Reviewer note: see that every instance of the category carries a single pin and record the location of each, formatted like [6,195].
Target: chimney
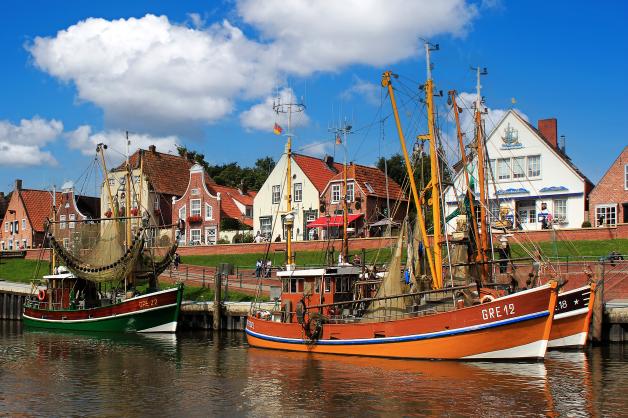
[152,149]
[242,189]
[549,129]
[329,160]
[18,184]
[562,144]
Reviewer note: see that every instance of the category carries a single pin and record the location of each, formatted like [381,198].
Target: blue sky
[203,74]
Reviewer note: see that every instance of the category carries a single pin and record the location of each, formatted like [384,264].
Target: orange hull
[516,326]
[572,317]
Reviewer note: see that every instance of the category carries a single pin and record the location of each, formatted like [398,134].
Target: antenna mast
[288,108]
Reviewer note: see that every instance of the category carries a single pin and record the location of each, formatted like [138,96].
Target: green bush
[242,238]
[586,224]
[223,241]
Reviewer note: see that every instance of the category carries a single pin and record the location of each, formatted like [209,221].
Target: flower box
[195,219]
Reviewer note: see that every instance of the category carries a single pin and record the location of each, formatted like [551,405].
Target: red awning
[324,221]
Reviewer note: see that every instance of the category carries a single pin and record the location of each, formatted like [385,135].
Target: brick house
[23,225]
[157,176]
[4,203]
[608,201]
[368,198]
[70,208]
[205,206]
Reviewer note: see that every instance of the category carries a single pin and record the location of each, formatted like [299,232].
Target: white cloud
[322,35]
[317,148]
[20,145]
[360,88]
[83,139]
[151,72]
[262,116]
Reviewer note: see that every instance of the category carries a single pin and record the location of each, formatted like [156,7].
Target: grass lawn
[572,249]
[305,258]
[22,270]
[575,249]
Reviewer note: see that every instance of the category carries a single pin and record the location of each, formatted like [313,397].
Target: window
[195,236]
[493,169]
[112,182]
[10,244]
[276,194]
[606,215]
[298,192]
[327,285]
[265,225]
[534,166]
[210,235]
[560,210]
[2,245]
[182,212]
[156,203]
[518,167]
[195,207]
[248,211]
[6,227]
[209,211]
[23,224]
[369,187]
[626,177]
[24,243]
[72,218]
[350,192]
[16,227]
[62,222]
[532,215]
[66,242]
[503,169]
[335,193]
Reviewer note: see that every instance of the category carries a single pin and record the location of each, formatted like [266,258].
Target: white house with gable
[309,177]
[529,175]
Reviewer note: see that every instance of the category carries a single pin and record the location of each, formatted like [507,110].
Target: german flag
[277,130]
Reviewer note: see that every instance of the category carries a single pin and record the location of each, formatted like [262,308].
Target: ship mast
[435,172]
[479,137]
[344,130]
[470,195]
[288,108]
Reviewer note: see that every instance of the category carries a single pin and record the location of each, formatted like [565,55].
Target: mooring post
[598,304]
[217,300]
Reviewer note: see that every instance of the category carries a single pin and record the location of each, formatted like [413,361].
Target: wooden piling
[217,301]
[598,305]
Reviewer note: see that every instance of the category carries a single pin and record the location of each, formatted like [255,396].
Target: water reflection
[201,374]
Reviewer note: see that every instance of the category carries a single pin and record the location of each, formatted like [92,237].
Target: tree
[396,168]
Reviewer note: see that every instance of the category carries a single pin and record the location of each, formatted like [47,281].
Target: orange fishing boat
[572,317]
[349,310]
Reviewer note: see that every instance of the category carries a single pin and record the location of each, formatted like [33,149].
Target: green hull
[156,320]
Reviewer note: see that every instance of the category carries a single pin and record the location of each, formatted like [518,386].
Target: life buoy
[41,295]
[314,327]
[487,299]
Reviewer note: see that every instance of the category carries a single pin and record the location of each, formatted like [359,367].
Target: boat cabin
[323,286]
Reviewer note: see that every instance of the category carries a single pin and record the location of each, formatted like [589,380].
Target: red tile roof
[168,174]
[228,208]
[317,170]
[38,206]
[375,178]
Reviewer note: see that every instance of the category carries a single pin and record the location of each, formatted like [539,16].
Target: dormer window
[369,187]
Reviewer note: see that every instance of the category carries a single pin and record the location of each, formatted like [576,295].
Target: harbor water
[217,374]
